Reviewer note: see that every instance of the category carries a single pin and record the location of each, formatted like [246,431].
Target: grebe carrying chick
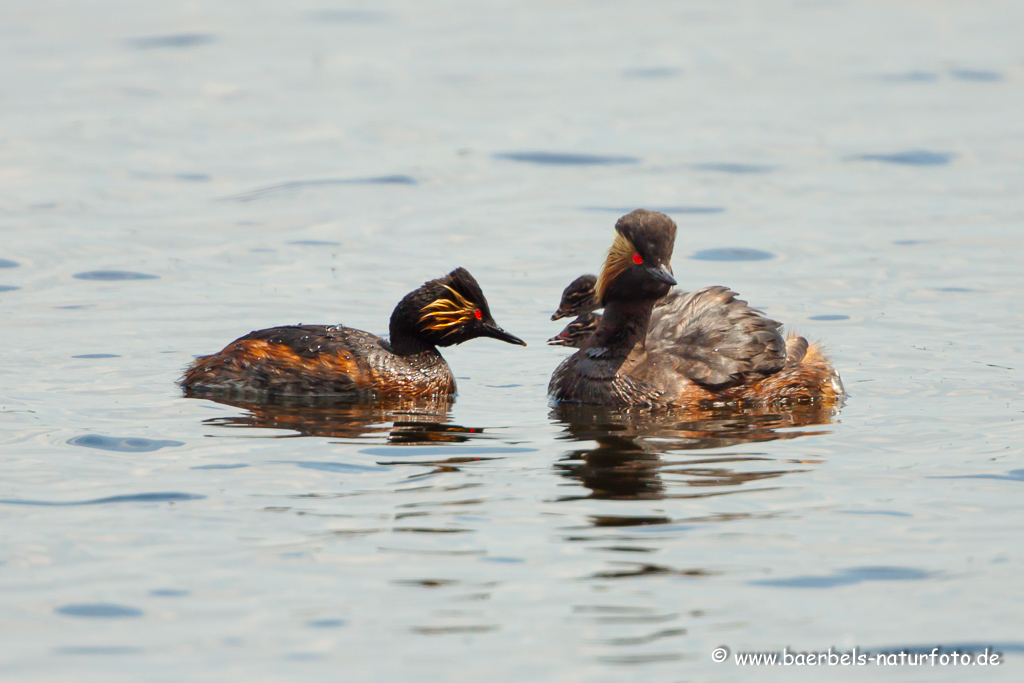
[700,348]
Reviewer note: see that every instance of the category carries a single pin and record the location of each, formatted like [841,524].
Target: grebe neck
[623,325]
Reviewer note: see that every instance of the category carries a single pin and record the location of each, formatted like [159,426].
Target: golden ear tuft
[620,257]
[442,314]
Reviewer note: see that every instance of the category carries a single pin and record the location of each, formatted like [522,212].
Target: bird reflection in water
[402,421]
[632,457]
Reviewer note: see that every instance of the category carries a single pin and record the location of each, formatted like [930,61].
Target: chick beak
[559,339]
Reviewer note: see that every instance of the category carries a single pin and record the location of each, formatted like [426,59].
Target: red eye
[478,314]
[638,259]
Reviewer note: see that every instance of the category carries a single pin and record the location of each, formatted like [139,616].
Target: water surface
[176,175]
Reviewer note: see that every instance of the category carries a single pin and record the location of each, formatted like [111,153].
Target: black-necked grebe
[332,360]
[702,347]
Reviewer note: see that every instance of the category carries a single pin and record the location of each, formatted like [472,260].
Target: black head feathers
[638,265]
[446,311]
[653,234]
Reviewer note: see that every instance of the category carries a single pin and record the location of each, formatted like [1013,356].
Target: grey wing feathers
[716,337]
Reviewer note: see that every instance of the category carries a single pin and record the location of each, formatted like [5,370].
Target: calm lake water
[175,175]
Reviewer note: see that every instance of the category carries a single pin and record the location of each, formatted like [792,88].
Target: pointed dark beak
[661,274]
[558,315]
[559,339]
[495,332]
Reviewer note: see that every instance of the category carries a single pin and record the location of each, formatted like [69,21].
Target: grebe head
[638,265]
[577,332]
[447,311]
[579,297]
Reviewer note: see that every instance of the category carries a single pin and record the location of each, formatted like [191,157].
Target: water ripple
[566,158]
[651,658]
[296,185]
[99,610]
[912,157]
[620,521]
[169,497]
[348,16]
[225,466]
[977,75]
[326,623]
[103,650]
[732,254]
[848,577]
[449,630]
[911,77]
[426,583]
[643,640]
[114,275]
[652,72]
[174,41]
[335,466]
[675,209]
[736,169]
[640,569]
[1012,475]
[122,444]
[436,450]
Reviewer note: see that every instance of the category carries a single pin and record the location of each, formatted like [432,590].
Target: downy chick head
[579,297]
[577,332]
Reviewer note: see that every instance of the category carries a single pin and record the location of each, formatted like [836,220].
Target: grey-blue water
[174,175]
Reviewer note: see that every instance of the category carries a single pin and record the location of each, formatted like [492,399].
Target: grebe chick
[705,347]
[577,332]
[578,297]
[332,360]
